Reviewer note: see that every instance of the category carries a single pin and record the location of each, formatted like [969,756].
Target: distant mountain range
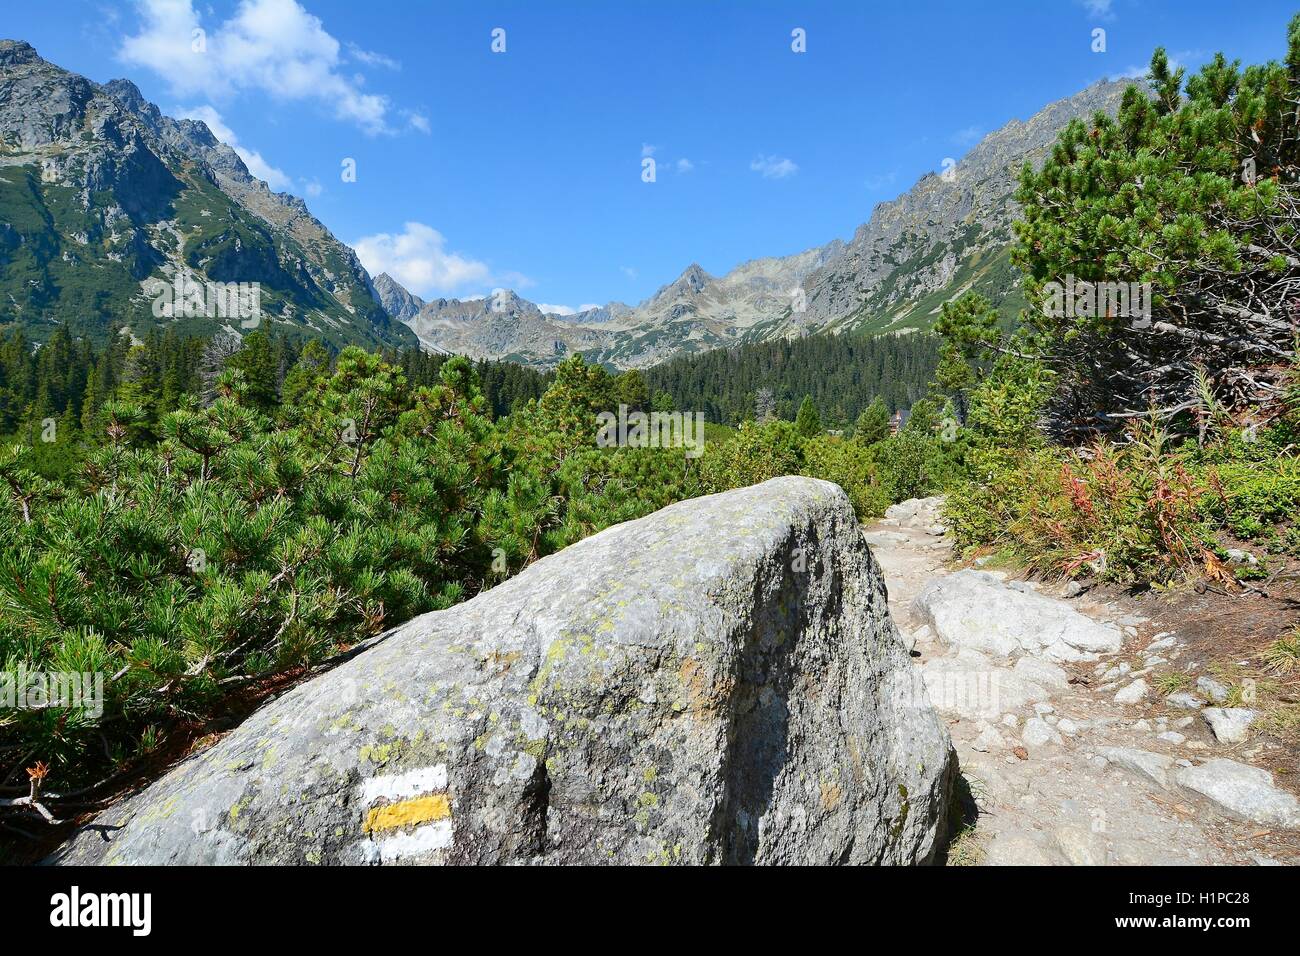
[947,234]
[105,202]
[102,198]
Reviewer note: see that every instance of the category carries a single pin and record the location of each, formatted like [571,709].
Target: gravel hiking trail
[1070,752]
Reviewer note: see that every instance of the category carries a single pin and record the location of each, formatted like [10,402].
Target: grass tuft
[1172,681]
[1282,657]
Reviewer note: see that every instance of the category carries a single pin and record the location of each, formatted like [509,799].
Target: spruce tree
[807,424]
[873,424]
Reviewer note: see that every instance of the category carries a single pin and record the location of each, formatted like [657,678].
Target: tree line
[842,374]
[71,380]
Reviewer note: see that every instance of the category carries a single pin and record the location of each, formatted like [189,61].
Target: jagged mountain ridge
[915,252]
[942,237]
[397,302]
[102,197]
[500,326]
[694,313]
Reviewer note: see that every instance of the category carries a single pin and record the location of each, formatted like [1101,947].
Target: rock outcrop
[719,682]
[1242,790]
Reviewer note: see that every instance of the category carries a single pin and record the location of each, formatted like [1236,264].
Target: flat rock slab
[1042,672]
[971,684]
[719,682]
[915,510]
[1244,791]
[1154,767]
[881,539]
[974,609]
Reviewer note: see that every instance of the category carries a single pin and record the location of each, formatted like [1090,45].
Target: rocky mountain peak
[691,282]
[609,312]
[128,96]
[397,302]
[508,300]
[16,52]
[104,185]
[694,277]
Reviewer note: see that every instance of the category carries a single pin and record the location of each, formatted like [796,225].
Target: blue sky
[523,169]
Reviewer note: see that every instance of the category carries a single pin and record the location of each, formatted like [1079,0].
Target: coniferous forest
[70,382]
[842,373]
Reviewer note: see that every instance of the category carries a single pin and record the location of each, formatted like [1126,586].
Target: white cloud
[628,271]
[968,136]
[370,58]
[418,121]
[647,150]
[274,46]
[1098,8]
[773,167]
[418,258]
[684,165]
[277,179]
[588,306]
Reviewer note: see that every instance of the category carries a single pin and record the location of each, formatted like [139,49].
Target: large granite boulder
[719,682]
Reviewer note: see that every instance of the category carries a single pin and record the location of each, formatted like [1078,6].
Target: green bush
[1250,498]
[754,454]
[851,466]
[913,464]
